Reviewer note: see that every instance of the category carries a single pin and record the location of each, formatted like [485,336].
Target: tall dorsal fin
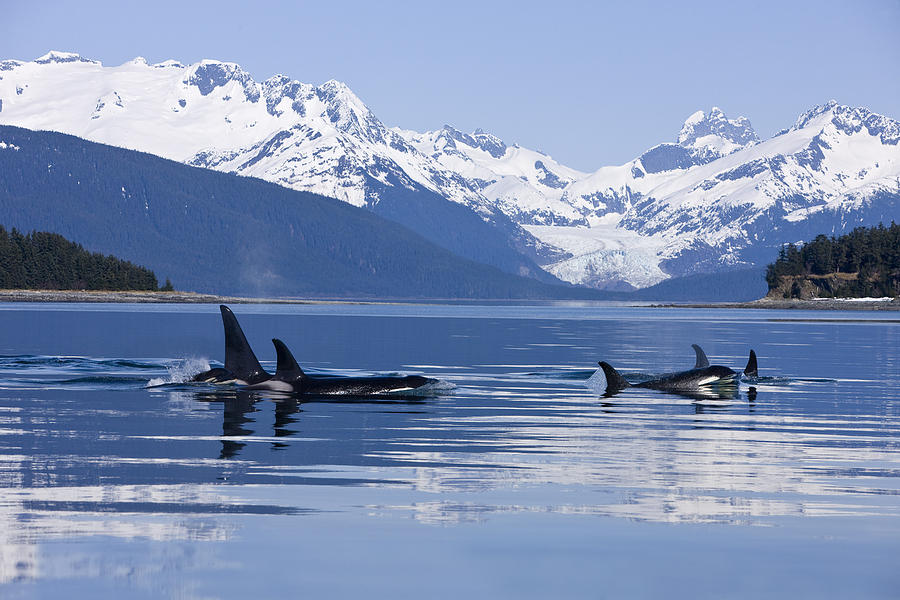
[751,370]
[614,381]
[288,369]
[702,361]
[239,358]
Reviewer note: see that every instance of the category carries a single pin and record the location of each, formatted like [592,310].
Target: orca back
[692,379]
[702,361]
[217,375]
[287,369]
[239,357]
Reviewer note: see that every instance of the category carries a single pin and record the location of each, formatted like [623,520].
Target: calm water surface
[515,479]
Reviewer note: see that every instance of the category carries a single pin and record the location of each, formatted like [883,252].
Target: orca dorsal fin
[751,369]
[288,369]
[614,381]
[239,358]
[702,361]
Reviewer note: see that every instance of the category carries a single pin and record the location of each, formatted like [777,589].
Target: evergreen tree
[870,255]
[41,260]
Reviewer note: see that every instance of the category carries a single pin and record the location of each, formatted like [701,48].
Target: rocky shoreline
[820,304]
[197,298]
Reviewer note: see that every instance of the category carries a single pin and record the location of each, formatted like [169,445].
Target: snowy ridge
[213,114]
[525,184]
[716,197]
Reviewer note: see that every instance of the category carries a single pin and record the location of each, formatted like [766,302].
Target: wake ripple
[40,371]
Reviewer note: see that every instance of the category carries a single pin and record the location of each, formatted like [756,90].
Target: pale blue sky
[590,83]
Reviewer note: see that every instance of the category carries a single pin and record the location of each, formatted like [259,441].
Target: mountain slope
[216,232]
[721,199]
[319,139]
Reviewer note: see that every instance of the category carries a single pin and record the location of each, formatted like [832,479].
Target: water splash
[596,382]
[181,372]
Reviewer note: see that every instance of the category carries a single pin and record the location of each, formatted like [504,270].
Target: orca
[241,365]
[702,376]
[290,378]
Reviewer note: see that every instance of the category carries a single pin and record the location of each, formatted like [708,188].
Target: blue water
[514,479]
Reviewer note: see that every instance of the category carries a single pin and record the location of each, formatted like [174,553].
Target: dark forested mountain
[864,262]
[48,261]
[216,232]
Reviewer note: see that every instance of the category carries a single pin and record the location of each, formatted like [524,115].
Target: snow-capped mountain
[715,198]
[213,114]
[525,184]
[321,139]
[836,168]
[580,213]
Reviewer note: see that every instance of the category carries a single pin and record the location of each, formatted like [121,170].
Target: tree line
[48,261]
[868,258]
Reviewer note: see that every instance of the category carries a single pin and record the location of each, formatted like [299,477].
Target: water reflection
[241,423]
[159,513]
[235,411]
[286,411]
[648,451]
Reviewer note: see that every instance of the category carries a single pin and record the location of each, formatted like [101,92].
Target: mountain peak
[715,123]
[337,91]
[348,113]
[57,56]
[171,63]
[208,75]
[490,143]
[711,135]
[804,119]
[478,139]
[336,86]
[851,120]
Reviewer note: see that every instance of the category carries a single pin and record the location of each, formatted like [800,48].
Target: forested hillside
[863,263]
[215,232]
[48,261]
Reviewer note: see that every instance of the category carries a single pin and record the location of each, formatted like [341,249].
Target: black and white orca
[702,376]
[243,368]
[290,378]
